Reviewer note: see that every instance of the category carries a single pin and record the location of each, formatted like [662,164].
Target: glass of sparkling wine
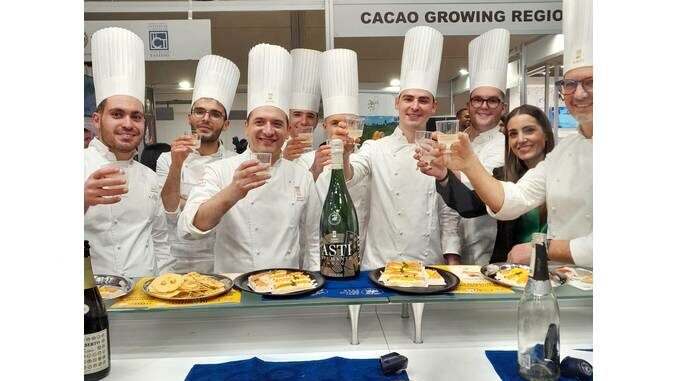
[195,143]
[424,140]
[447,132]
[264,158]
[355,127]
[123,166]
[305,135]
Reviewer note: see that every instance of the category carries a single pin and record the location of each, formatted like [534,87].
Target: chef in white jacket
[407,218]
[304,108]
[340,95]
[564,179]
[488,64]
[126,228]
[216,80]
[259,218]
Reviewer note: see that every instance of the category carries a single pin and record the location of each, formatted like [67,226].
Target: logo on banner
[158,40]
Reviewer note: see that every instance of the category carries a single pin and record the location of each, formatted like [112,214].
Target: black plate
[451,282]
[241,283]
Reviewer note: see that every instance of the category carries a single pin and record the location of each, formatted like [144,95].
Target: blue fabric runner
[505,363]
[255,369]
[361,287]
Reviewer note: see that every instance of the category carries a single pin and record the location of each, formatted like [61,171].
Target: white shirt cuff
[581,250]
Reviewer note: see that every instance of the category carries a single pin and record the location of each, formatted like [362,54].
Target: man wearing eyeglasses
[564,180]
[181,169]
[488,60]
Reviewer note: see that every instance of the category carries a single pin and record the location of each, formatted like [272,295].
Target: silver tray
[489,272]
[227,282]
[125,285]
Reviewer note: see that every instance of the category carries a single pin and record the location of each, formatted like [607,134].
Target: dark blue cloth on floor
[255,369]
[361,287]
[505,363]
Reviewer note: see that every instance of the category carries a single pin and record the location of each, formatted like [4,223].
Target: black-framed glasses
[569,86]
[492,102]
[200,112]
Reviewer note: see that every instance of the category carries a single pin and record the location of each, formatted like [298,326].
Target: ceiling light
[463,71]
[185,85]
[395,82]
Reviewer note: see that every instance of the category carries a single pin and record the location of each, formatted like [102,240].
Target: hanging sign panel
[451,19]
[164,40]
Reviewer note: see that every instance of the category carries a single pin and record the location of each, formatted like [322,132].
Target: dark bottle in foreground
[97,344]
[539,320]
[339,242]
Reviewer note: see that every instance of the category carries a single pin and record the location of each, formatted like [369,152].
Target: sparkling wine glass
[447,132]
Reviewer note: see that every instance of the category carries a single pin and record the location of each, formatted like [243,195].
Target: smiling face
[415,107]
[266,129]
[580,103]
[208,128]
[300,118]
[120,124]
[331,122]
[526,139]
[484,117]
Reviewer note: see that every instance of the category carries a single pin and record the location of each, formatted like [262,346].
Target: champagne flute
[447,132]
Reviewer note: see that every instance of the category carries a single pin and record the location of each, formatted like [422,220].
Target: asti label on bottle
[96,351]
[339,254]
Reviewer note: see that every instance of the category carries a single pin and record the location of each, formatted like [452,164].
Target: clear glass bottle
[539,320]
[96,343]
[339,234]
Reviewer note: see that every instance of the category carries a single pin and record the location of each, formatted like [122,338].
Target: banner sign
[451,19]
[164,40]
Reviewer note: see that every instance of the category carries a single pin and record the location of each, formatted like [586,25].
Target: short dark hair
[102,106]
[460,110]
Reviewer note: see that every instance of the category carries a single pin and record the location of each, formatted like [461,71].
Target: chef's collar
[486,135]
[105,151]
[221,151]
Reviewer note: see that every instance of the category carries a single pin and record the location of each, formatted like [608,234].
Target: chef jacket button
[428,213]
[291,226]
[397,193]
[256,229]
[557,180]
[395,173]
[401,233]
[288,252]
[258,252]
[426,254]
[292,203]
[118,247]
[553,208]
[401,254]
[251,202]
[430,192]
[588,216]
[115,222]
[399,213]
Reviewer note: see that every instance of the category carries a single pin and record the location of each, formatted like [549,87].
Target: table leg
[418,311]
[354,312]
[405,310]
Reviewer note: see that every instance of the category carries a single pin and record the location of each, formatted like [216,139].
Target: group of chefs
[210,210]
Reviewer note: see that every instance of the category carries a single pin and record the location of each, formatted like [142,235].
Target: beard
[212,137]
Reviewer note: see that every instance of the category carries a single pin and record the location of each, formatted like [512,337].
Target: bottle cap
[576,368]
[393,363]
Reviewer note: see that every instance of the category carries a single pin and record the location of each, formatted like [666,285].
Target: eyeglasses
[569,86]
[492,102]
[200,112]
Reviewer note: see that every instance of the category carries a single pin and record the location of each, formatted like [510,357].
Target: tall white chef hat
[118,64]
[339,81]
[578,33]
[269,77]
[305,80]
[488,59]
[420,66]
[217,78]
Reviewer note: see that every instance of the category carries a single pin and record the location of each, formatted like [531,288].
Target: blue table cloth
[255,369]
[505,363]
[361,287]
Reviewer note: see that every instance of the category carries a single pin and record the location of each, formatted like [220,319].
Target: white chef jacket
[408,220]
[128,238]
[565,181]
[479,233]
[191,255]
[263,230]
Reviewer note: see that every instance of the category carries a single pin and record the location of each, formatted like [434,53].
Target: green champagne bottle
[339,234]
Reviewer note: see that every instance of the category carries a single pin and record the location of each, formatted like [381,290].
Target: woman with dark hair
[528,139]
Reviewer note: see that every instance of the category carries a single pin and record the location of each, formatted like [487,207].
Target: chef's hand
[435,167]
[520,253]
[341,132]
[249,175]
[294,148]
[181,148]
[323,157]
[462,156]
[95,194]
